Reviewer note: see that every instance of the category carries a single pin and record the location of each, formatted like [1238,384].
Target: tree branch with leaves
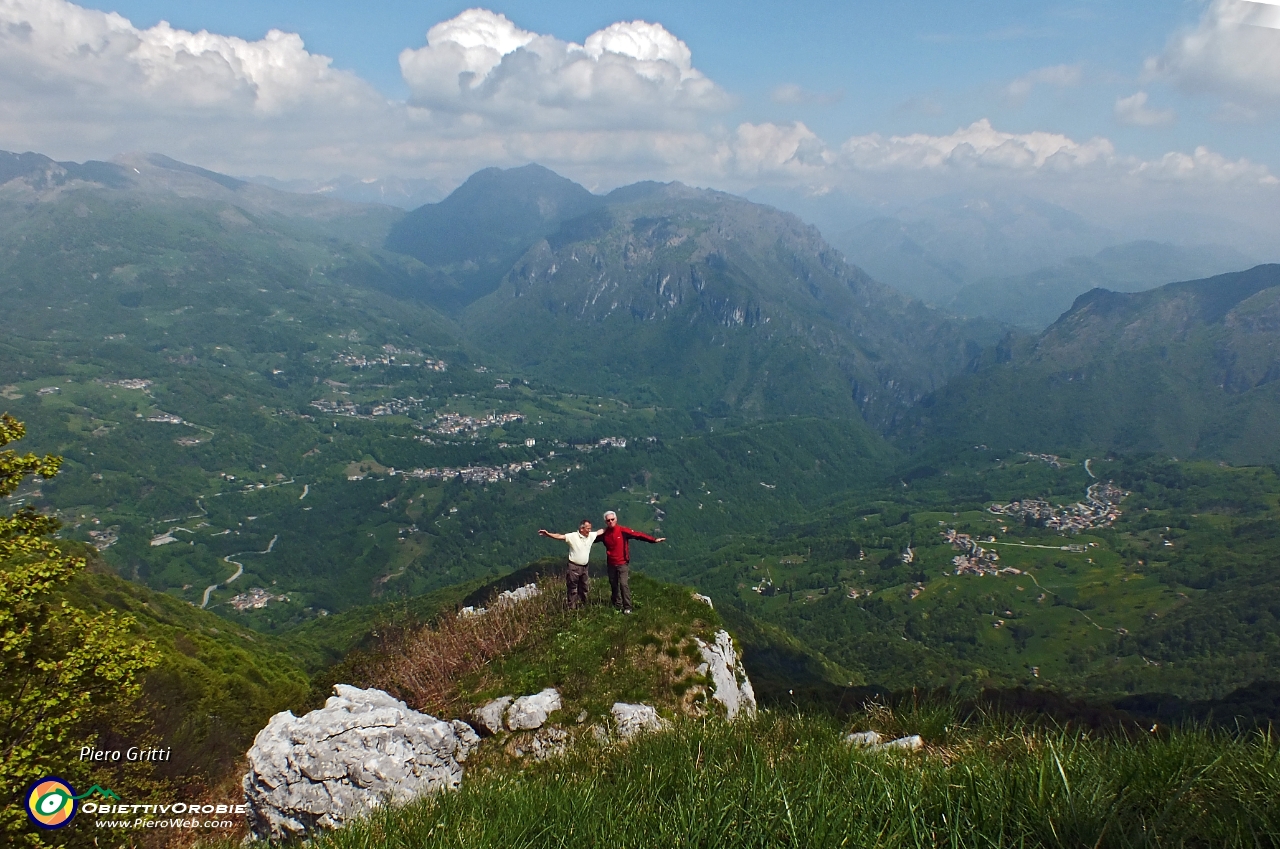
[60,667]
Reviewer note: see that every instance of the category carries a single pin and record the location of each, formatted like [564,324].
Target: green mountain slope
[473,236]
[708,300]
[221,375]
[1187,369]
[215,686]
[241,390]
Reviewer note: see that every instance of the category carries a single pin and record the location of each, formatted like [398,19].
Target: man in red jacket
[616,539]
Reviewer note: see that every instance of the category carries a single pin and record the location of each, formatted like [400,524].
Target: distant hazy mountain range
[1022,262]
[1036,299]
[935,249]
[403,192]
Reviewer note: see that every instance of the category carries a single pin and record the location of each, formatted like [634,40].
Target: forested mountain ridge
[1189,368]
[473,236]
[715,301]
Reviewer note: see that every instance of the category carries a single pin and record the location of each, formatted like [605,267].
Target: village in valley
[1099,509]
[390,356]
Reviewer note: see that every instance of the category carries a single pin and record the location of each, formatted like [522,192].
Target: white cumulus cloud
[774,150]
[978,145]
[69,49]
[1205,163]
[1234,50]
[634,74]
[1134,112]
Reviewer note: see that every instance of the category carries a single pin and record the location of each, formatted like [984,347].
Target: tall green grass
[790,781]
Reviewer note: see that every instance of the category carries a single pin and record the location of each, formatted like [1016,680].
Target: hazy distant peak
[161,161]
[39,173]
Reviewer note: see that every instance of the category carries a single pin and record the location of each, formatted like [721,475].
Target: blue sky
[896,68]
[905,67]
[1155,102]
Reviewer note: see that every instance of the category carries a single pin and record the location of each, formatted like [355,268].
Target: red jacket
[617,547]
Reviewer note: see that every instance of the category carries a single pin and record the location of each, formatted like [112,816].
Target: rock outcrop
[362,749]
[730,685]
[488,718]
[549,742]
[631,720]
[530,712]
[528,591]
[504,598]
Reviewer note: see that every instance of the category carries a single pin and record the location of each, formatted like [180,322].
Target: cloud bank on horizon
[626,104]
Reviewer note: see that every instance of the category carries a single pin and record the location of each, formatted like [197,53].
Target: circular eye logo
[51,803]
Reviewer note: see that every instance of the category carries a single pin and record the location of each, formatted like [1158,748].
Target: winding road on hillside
[204,602]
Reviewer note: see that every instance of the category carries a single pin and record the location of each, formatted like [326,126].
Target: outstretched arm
[637,535]
[543,533]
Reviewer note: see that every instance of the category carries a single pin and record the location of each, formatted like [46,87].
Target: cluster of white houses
[350,409]
[469,474]
[390,356]
[973,558]
[452,424]
[1100,509]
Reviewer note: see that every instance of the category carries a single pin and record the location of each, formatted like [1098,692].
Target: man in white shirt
[575,575]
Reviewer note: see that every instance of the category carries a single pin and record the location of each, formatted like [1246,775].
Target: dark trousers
[620,586]
[578,584]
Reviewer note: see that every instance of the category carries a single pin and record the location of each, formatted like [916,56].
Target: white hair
[609,513]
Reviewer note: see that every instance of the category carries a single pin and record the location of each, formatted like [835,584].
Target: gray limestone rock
[489,717]
[506,597]
[361,750]
[730,684]
[519,594]
[530,712]
[631,720]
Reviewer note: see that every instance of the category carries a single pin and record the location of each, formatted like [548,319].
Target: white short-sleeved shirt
[580,546]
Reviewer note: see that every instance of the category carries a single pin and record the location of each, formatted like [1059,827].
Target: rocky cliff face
[730,685]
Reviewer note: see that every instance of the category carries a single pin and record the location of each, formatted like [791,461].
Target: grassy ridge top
[594,656]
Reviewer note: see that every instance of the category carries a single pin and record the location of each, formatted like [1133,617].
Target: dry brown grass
[423,666]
